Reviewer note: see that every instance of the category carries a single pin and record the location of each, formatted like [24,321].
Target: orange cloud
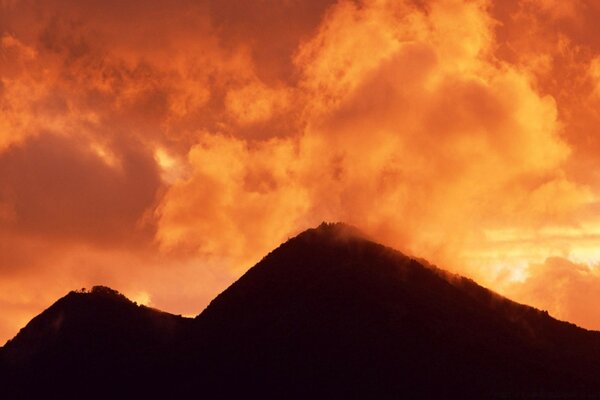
[230,187]
[568,289]
[255,102]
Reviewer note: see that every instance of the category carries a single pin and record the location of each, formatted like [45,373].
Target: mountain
[94,341]
[329,313]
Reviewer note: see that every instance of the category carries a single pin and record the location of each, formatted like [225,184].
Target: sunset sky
[163,147]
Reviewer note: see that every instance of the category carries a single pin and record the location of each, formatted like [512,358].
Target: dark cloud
[59,188]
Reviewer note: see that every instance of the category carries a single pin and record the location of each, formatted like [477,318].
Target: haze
[163,148]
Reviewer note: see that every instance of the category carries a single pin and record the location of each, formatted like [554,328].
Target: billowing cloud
[163,149]
[231,187]
[414,142]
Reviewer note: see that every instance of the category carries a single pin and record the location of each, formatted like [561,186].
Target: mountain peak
[105,293]
[332,297]
[331,232]
[336,230]
[84,318]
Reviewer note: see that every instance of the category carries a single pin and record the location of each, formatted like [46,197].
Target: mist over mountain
[329,313]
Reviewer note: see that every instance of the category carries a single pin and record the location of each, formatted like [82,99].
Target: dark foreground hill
[89,342]
[327,314]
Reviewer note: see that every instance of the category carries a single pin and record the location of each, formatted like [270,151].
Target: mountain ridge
[331,312]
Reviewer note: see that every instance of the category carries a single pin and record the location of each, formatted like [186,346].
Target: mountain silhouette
[329,313]
[96,341]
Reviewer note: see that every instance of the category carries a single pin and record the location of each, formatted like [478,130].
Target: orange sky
[162,148]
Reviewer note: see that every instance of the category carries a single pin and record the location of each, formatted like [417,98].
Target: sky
[162,148]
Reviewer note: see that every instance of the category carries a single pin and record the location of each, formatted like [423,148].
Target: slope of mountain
[329,313]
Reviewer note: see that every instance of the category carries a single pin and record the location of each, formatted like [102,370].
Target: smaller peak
[99,292]
[104,290]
